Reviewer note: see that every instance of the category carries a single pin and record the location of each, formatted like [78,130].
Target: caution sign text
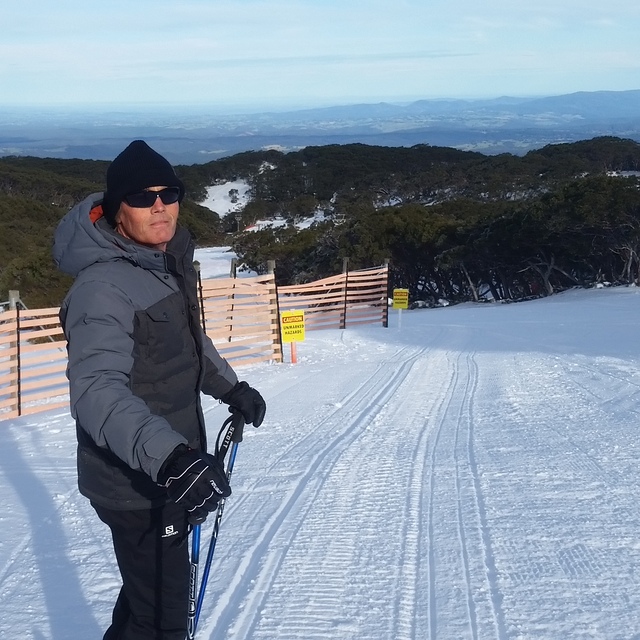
[401,298]
[292,323]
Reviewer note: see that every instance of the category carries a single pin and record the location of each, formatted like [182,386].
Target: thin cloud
[325,48]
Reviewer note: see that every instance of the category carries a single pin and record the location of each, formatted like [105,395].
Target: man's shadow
[46,546]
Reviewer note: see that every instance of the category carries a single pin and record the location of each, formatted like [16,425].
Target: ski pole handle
[237,426]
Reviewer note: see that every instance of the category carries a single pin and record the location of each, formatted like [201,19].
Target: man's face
[151,226]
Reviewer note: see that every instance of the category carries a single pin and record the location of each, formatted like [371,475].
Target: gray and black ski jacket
[138,358]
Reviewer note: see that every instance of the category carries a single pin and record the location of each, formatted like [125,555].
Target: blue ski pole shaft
[214,539]
[233,437]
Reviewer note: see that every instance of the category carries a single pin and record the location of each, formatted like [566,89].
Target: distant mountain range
[188,136]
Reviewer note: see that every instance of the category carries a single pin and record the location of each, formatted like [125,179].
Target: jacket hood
[83,237]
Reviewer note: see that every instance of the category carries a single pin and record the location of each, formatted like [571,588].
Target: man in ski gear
[138,361]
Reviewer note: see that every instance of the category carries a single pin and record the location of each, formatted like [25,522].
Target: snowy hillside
[231,197]
[227,198]
[472,474]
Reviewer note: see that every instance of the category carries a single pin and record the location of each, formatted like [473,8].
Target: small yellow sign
[401,298]
[292,323]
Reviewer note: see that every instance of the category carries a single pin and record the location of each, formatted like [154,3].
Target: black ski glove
[248,402]
[195,481]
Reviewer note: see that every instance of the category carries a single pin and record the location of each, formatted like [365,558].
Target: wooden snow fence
[33,361]
[342,301]
[240,315]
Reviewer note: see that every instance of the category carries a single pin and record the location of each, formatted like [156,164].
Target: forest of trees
[454,225]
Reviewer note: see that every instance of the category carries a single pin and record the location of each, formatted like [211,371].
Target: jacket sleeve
[219,377]
[98,322]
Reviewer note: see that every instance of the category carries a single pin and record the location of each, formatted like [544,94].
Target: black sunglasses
[146,199]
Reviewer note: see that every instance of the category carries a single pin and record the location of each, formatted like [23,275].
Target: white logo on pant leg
[170,531]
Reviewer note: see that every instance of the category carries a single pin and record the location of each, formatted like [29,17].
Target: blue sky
[253,53]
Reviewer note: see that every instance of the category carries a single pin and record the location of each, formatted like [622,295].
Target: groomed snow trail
[473,475]
[456,487]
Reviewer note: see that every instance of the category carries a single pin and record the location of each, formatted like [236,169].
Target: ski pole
[193,581]
[233,436]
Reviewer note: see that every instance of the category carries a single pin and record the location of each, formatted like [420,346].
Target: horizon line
[292,104]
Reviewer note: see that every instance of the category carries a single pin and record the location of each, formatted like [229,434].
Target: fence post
[233,273]
[385,312]
[14,299]
[196,266]
[14,369]
[271,269]
[345,271]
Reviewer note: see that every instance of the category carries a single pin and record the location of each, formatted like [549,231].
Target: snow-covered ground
[473,473]
[231,197]
[215,262]
[227,198]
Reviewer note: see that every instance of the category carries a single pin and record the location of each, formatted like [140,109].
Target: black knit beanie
[135,169]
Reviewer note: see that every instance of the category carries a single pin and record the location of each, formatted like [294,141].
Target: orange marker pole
[294,354]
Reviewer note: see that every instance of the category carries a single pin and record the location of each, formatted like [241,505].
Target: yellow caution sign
[401,298]
[292,323]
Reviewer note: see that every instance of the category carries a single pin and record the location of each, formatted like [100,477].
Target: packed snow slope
[472,473]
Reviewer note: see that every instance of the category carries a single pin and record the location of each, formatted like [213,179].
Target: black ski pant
[153,557]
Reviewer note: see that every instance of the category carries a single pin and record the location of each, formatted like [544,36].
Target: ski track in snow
[567,551]
[448,481]
[326,519]
[462,600]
